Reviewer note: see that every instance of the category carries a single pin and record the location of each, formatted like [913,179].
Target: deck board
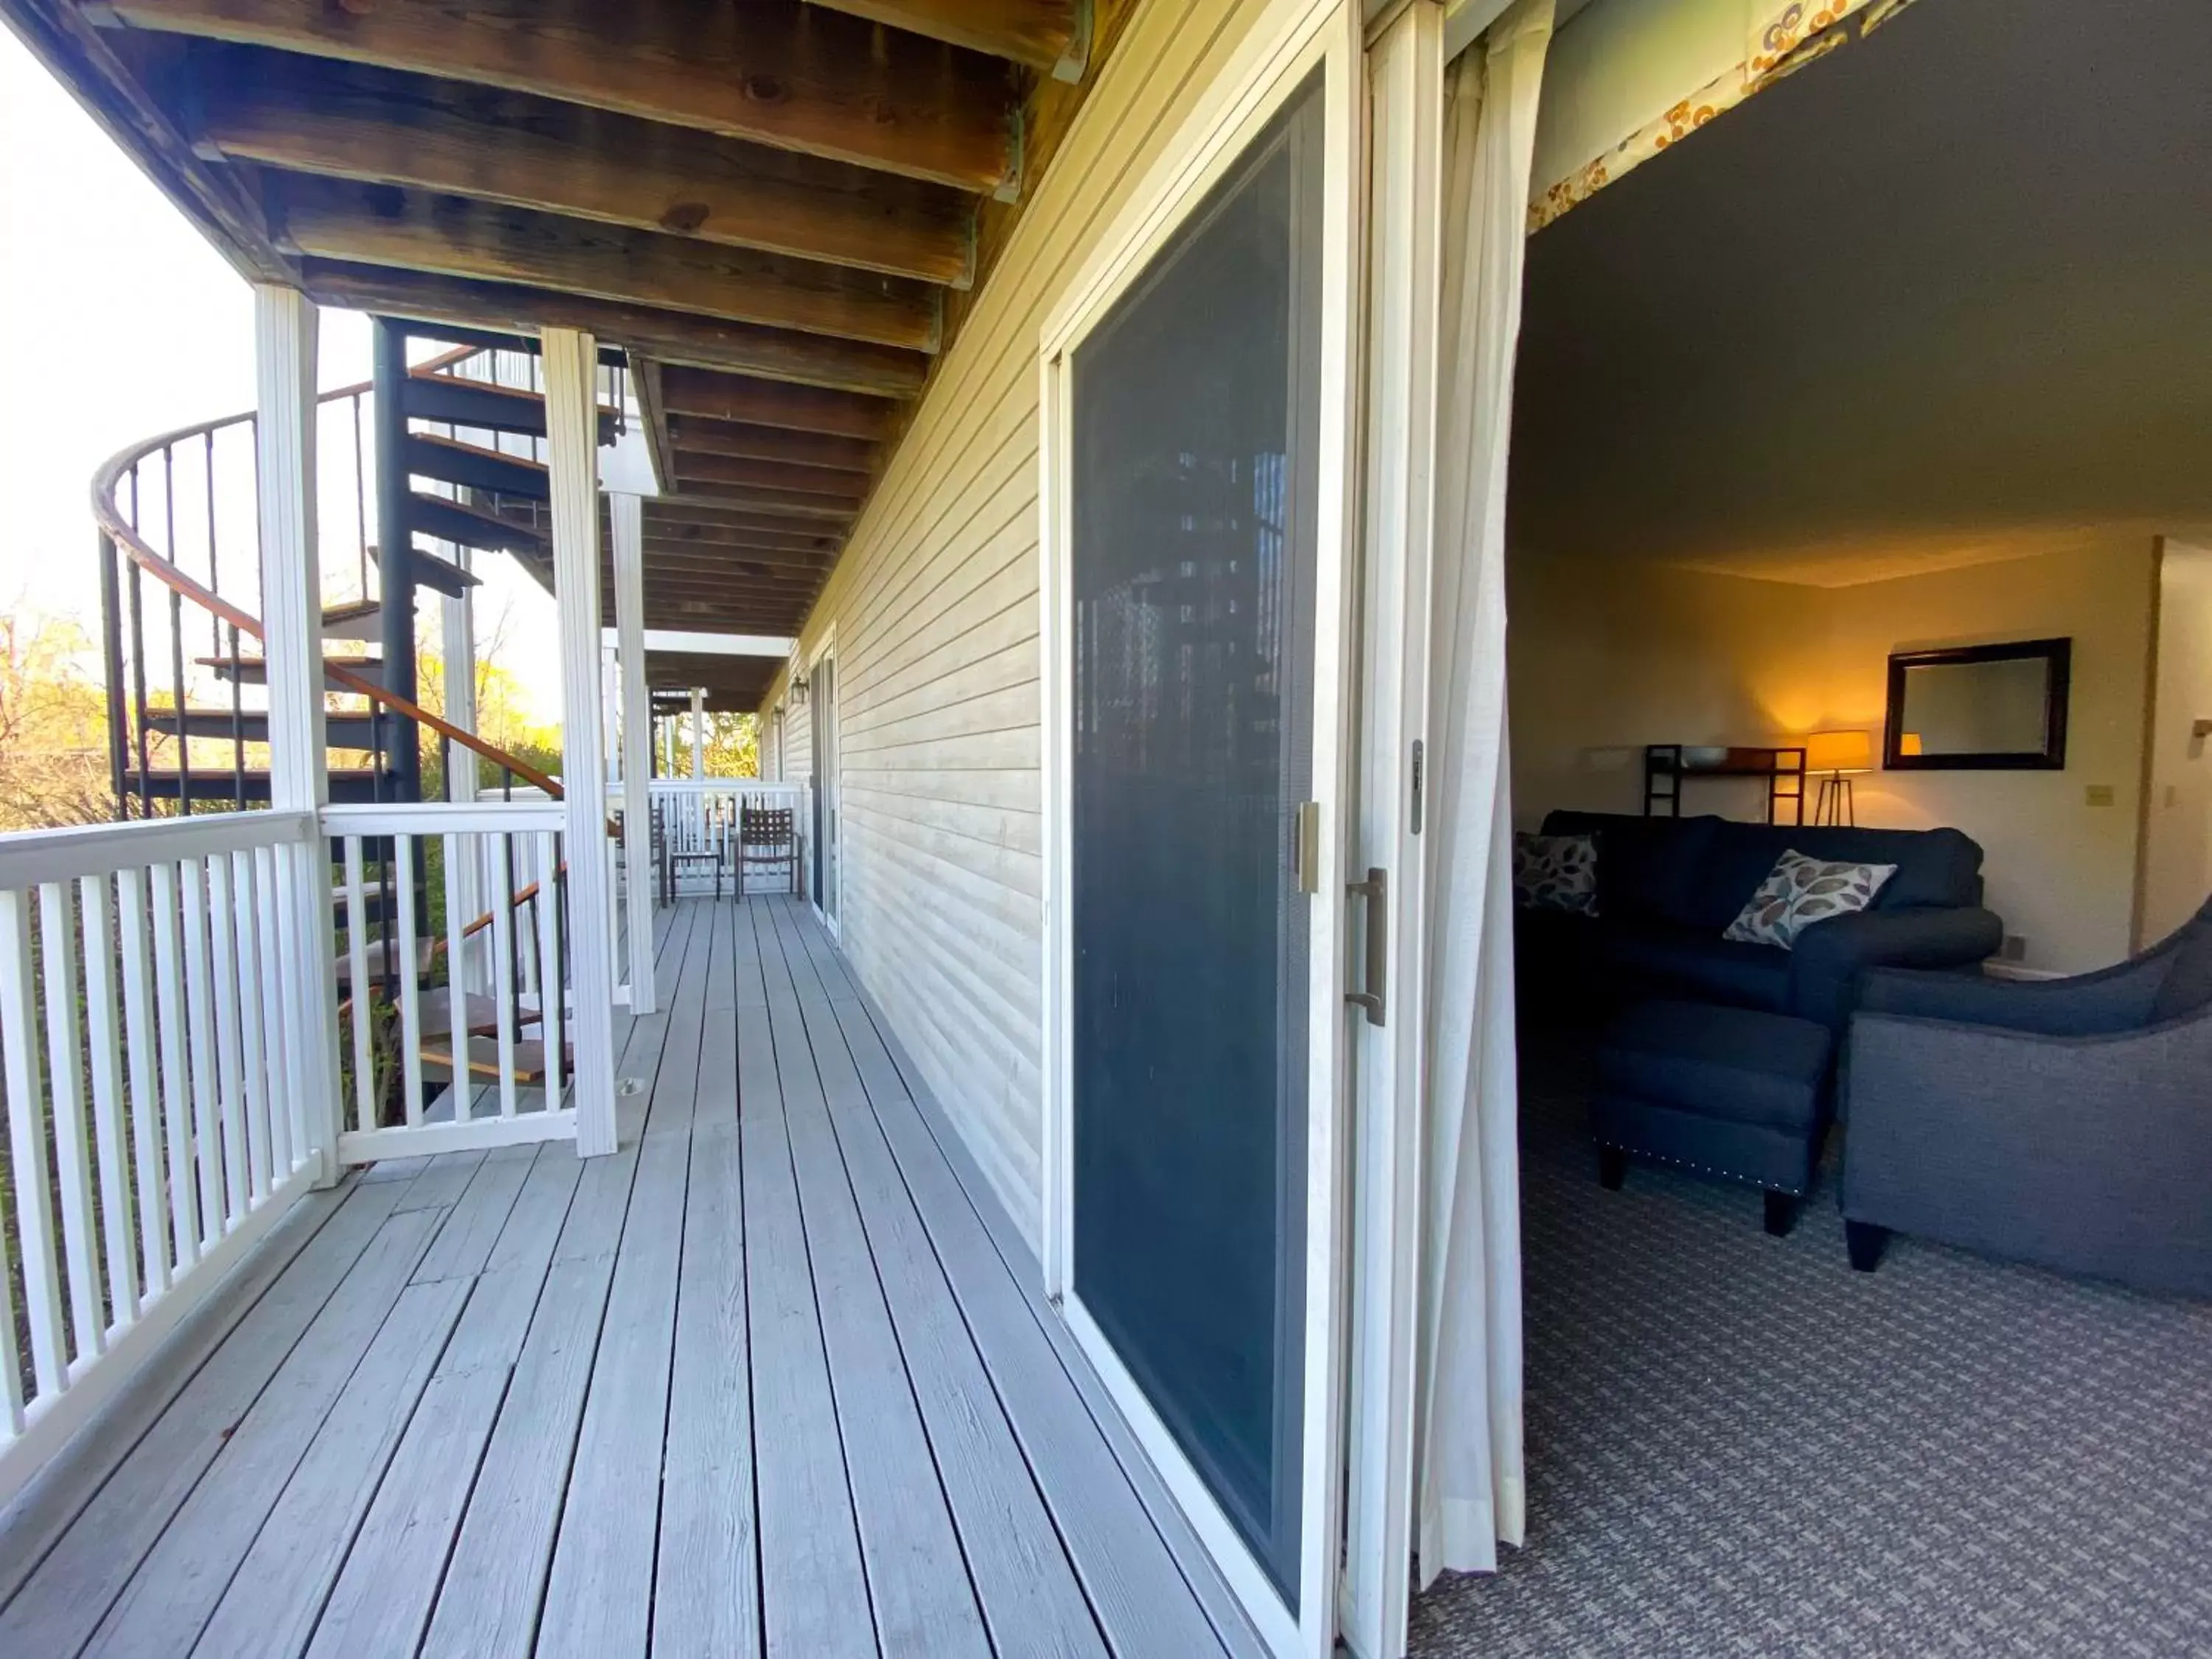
[766,1380]
[917,1579]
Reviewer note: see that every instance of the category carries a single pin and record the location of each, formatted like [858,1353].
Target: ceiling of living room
[1943,296]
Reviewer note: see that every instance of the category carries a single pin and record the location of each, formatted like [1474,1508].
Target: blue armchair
[2065,1122]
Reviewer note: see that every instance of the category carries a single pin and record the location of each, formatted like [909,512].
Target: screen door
[1192,415]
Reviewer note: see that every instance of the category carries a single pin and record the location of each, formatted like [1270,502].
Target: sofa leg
[1781,1214]
[1866,1242]
[1612,1168]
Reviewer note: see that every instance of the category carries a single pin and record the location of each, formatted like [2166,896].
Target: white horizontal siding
[935,610]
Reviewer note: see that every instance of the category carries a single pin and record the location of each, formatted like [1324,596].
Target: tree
[53,754]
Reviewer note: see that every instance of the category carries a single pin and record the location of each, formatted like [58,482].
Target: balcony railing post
[285,327]
[570,358]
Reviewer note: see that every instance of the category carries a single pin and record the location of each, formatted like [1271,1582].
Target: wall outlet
[2014,948]
[2099,794]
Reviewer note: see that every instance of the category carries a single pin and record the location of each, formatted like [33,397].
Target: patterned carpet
[1737,1446]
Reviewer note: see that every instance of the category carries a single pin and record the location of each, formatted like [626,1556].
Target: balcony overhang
[777,211]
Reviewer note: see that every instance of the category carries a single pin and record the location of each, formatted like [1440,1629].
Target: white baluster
[72,1153]
[223,930]
[410,994]
[169,983]
[27,1145]
[364,1059]
[103,1036]
[145,1098]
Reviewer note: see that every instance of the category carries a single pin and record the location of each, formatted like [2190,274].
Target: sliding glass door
[1197,418]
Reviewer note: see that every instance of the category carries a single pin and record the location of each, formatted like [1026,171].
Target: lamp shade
[1839,751]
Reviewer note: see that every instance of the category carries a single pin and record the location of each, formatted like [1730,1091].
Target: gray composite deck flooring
[773,1378]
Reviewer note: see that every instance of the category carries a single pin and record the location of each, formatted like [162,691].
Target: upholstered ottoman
[1727,1091]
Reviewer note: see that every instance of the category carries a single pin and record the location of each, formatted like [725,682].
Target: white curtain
[1468,1454]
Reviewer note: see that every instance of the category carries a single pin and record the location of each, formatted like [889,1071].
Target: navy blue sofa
[1668,888]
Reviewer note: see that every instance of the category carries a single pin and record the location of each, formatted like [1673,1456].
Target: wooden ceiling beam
[693,467]
[793,542]
[483,242]
[1042,34]
[672,336]
[779,565]
[774,71]
[733,561]
[794,505]
[666,587]
[686,390]
[724,577]
[769,443]
[352,121]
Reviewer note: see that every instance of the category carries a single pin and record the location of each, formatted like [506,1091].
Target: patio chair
[766,836]
[2065,1122]
[675,853]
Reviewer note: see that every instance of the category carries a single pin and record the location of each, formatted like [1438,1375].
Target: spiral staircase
[447,452]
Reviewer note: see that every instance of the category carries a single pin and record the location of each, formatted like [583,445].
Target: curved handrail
[115,525]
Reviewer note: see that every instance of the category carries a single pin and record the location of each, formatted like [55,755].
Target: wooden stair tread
[479,1014]
[442,575]
[481,1058]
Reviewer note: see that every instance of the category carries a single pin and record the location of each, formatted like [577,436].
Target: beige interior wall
[934,607]
[2177,821]
[1608,655]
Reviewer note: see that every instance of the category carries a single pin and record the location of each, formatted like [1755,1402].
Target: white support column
[698,732]
[570,359]
[285,332]
[628,513]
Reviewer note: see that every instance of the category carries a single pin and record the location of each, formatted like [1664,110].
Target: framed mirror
[1987,708]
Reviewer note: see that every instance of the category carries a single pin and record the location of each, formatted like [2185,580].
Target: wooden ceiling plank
[692,466]
[674,337]
[791,548]
[774,71]
[726,579]
[768,443]
[482,241]
[352,121]
[1040,34]
[738,397]
[793,504]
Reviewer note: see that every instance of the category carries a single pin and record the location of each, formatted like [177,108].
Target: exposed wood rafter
[672,336]
[351,121]
[1042,34]
[450,235]
[774,71]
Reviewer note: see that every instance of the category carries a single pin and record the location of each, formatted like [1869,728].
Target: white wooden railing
[508,970]
[153,1017]
[700,815]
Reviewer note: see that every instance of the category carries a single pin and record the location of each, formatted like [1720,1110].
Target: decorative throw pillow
[1800,891]
[1555,872]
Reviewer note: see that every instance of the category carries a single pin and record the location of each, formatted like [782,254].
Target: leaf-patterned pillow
[1800,891]
[1555,872]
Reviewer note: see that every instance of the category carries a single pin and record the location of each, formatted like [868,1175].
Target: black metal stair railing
[178,551]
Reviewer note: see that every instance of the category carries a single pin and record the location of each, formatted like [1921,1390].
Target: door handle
[1376,890]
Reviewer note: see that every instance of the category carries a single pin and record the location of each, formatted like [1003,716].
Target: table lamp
[1837,755]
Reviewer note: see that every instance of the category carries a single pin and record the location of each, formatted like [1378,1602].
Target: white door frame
[1289,40]
[1405,85]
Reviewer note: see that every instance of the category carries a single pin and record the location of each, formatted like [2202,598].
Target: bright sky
[125,322]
